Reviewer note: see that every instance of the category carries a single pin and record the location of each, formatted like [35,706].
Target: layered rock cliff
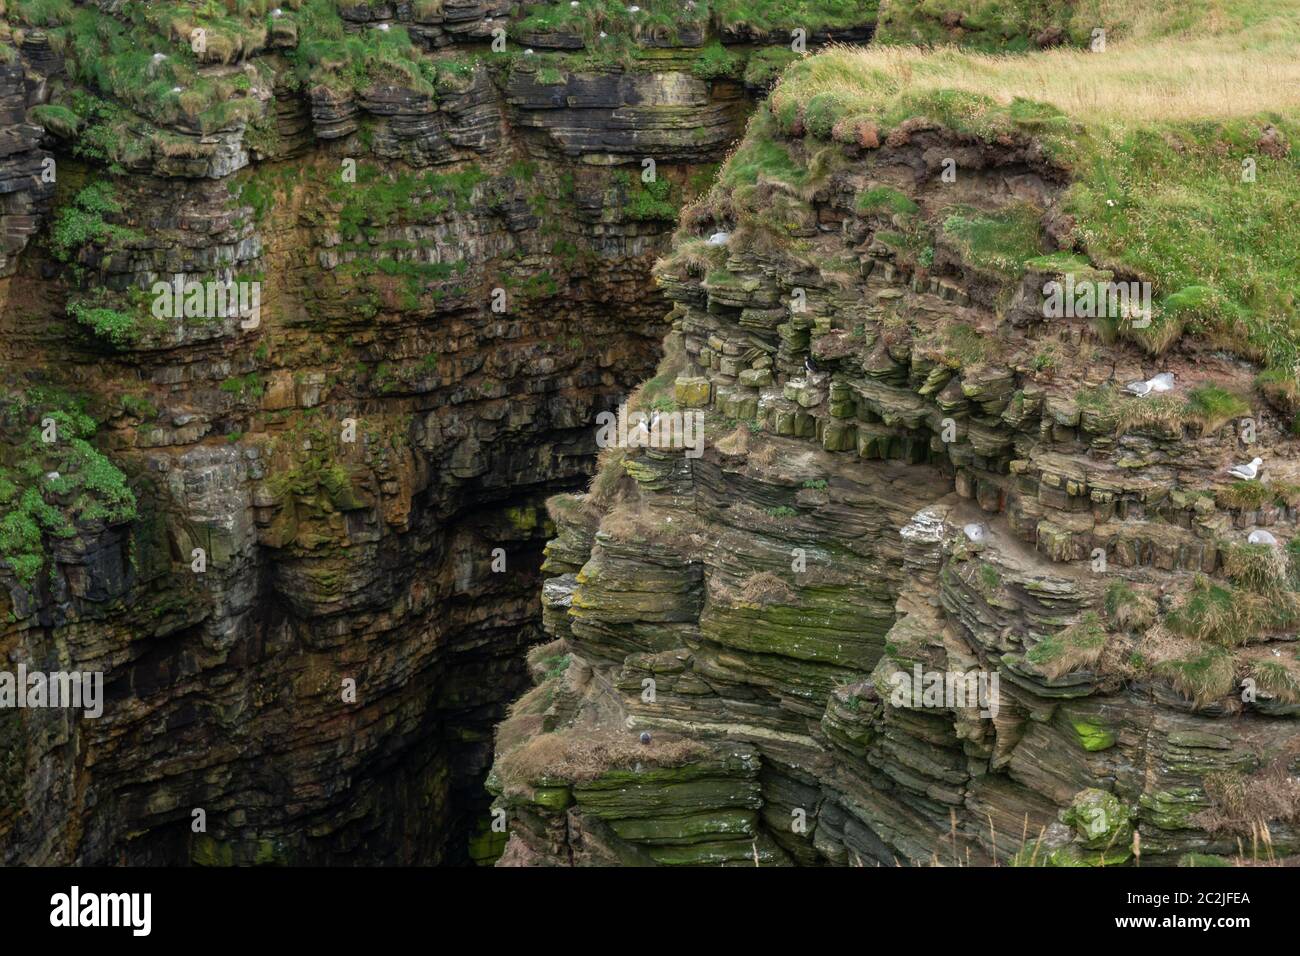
[301,538]
[940,588]
[953,582]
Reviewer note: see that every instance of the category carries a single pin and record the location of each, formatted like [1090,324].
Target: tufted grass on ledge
[1151,134]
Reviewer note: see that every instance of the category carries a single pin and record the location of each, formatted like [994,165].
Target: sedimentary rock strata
[300,535]
[942,588]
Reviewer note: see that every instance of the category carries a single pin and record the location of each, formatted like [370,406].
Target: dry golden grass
[766,588]
[1161,414]
[1277,676]
[736,442]
[1201,673]
[568,508]
[1246,805]
[610,480]
[1202,73]
[1129,608]
[525,718]
[633,521]
[1259,567]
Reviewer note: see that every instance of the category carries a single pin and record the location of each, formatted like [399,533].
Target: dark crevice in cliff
[324,559]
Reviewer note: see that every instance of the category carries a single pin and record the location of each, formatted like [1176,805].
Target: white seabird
[719,238]
[1260,536]
[974,531]
[1248,472]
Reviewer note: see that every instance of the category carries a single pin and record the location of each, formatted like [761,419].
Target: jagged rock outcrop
[945,588]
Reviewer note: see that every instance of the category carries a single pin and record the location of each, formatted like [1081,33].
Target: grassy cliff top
[1154,134]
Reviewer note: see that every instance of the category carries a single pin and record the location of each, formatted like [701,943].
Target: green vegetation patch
[779,16]
[51,489]
[1169,182]
[885,199]
[657,200]
[1002,241]
[330,55]
[379,199]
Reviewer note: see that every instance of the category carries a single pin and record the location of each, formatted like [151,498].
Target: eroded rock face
[319,611]
[937,582]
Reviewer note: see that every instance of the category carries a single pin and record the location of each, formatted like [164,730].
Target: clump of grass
[765,588]
[653,201]
[1280,388]
[1213,407]
[1230,616]
[1078,646]
[1128,608]
[1001,241]
[975,24]
[1258,567]
[1246,805]
[87,221]
[1202,675]
[763,66]
[962,346]
[716,61]
[1279,678]
[759,154]
[381,198]
[694,257]
[608,28]
[1209,612]
[885,199]
[50,490]
[1162,415]
[1285,493]
[1243,495]
[329,55]
[781,16]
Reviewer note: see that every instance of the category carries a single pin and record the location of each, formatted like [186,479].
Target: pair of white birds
[642,430]
[1159,383]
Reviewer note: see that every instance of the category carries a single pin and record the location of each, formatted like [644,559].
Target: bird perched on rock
[975,531]
[719,238]
[1247,472]
[1260,536]
[816,374]
[1158,383]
